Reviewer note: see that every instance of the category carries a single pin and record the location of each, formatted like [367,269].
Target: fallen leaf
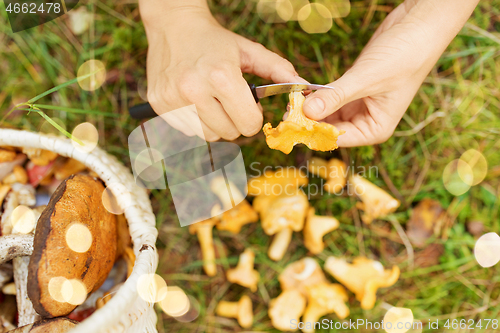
[427,219]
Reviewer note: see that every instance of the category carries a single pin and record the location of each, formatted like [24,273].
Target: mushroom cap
[301,274]
[297,128]
[274,182]
[363,277]
[315,228]
[284,211]
[375,201]
[208,223]
[288,306]
[232,220]
[76,200]
[330,297]
[337,176]
[318,167]
[244,274]
[245,312]
[56,325]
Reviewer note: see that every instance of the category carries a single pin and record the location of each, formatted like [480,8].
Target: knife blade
[145,110]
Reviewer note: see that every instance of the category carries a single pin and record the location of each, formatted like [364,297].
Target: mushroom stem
[205,238]
[5,274]
[26,312]
[280,244]
[12,246]
[227,309]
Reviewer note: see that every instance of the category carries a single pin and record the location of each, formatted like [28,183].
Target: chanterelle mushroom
[314,230]
[363,277]
[203,230]
[324,298]
[375,201]
[301,274]
[280,216]
[334,171]
[277,182]
[61,255]
[286,308]
[244,274]
[297,128]
[241,310]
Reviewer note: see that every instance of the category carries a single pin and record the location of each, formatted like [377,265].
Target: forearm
[164,13]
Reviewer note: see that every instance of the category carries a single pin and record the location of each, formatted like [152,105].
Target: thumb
[324,102]
[258,60]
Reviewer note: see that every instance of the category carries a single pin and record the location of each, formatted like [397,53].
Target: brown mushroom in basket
[363,277]
[297,128]
[322,299]
[375,201]
[74,247]
[56,325]
[241,310]
[276,182]
[280,216]
[286,309]
[315,228]
[301,274]
[244,274]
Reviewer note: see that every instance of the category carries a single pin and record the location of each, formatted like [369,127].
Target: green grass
[463,85]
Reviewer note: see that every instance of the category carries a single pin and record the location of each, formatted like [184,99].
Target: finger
[260,61]
[191,120]
[215,118]
[232,91]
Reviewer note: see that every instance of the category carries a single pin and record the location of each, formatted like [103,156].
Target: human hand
[193,60]
[370,99]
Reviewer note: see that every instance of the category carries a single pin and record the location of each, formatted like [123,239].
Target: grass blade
[59,128]
[73,110]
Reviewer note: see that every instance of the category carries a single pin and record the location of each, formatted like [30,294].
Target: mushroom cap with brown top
[301,274]
[285,308]
[56,325]
[363,277]
[283,211]
[275,182]
[76,200]
[297,128]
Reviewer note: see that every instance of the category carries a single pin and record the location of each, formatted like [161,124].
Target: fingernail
[299,79]
[314,106]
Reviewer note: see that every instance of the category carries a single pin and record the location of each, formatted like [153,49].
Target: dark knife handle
[142,111]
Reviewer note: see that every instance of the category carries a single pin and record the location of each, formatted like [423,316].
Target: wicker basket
[126,311]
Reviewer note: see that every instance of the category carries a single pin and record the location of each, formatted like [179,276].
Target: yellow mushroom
[244,274]
[277,182]
[286,309]
[334,171]
[39,156]
[314,230]
[70,167]
[203,230]
[18,175]
[7,155]
[363,277]
[241,310]
[280,216]
[301,274]
[324,298]
[375,201]
[297,128]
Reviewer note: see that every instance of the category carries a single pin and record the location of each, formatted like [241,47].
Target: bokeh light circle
[337,8]
[152,288]
[146,164]
[78,237]
[487,249]
[270,11]
[394,316]
[315,18]
[73,291]
[55,288]
[176,303]
[477,163]
[192,313]
[109,198]
[88,135]
[98,75]
[457,184]
[23,220]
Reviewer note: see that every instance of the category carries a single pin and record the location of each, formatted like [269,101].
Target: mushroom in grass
[241,310]
[334,171]
[301,274]
[203,230]
[286,309]
[277,182]
[315,228]
[297,128]
[74,247]
[363,277]
[244,274]
[322,299]
[375,201]
[280,216]
[56,325]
